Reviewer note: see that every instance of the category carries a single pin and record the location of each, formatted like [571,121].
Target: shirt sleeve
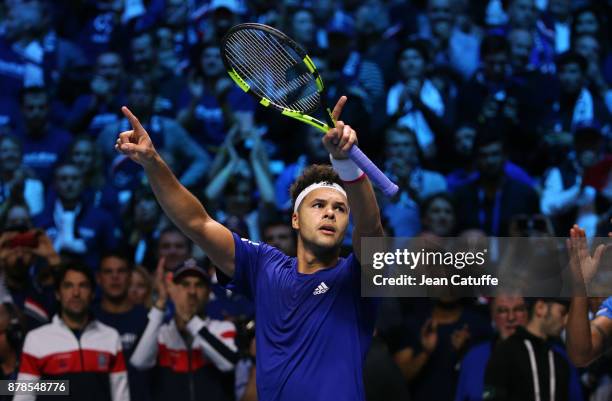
[29,368]
[217,341]
[145,354]
[606,308]
[496,383]
[245,272]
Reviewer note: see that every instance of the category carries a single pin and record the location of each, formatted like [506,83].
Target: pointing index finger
[338,108]
[132,119]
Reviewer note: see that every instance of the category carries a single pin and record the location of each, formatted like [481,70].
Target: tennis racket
[270,66]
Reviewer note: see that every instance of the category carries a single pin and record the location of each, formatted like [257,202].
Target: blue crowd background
[494,118]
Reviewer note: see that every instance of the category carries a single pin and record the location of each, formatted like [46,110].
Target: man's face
[303,26]
[18,217]
[520,47]
[464,141]
[555,319]
[83,155]
[143,53]
[495,65]
[212,64]
[75,294]
[10,155]
[586,23]
[508,312]
[588,47]
[411,64]
[146,212]
[35,110]
[280,236]
[439,10]
[24,18]
[191,295]
[140,97]
[174,246]
[114,278]
[522,14]
[69,182]
[401,148]
[571,78]
[440,217]
[110,67]
[491,160]
[322,219]
[238,198]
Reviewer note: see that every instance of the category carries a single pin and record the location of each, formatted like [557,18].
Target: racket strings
[265,63]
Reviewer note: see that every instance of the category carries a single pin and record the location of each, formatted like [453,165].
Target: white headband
[312,187]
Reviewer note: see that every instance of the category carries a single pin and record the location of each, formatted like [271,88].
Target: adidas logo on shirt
[321,289]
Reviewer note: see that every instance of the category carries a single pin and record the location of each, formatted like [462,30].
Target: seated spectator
[93,111]
[27,259]
[490,202]
[576,104]
[99,376]
[507,313]
[191,159]
[74,226]
[16,183]
[528,365]
[205,346]
[44,145]
[143,223]
[116,310]
[589,47]
[439,215]
[98,192]
[141,287]
[415,102]
[213,103]
[172,246]
[403,164]
[277,232]
[12,334]
[429,343]
[464,160]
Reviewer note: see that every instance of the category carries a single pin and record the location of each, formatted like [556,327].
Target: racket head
[277,71]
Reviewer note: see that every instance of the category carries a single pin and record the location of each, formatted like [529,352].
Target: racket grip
[379,178]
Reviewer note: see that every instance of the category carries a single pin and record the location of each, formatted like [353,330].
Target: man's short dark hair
[572,57]
[75,266]
[311,175]
[494,44]
[420,45]
[487,134]
[174,229]
[118,254]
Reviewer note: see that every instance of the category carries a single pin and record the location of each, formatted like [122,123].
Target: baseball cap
[190,268]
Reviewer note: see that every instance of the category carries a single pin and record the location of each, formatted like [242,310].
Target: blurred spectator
[94,363]
[558,20]
[116,310]
[189,352]
[454,39]
[98,193]
[576,104]
[141,287]
[277,231]
[439,216]
[143,222]
[74,226]
[467,172]
[529,356]
[431,341]
[16,183]
[93,111]
[145,64]
[507,313]
[12,334]
[224,15]
[589,47]
[212,104]
[167,134]
[490,202]
[176,36]
[302,28]
[27,259]
[174,247]
[415,102]
[382,378]
[44,145]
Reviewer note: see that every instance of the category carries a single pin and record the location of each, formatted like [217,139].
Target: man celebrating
[310,316]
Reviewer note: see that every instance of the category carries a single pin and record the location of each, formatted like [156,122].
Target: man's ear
[294,221]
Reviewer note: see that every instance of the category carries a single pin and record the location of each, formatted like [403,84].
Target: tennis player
[586,340]
[313,327]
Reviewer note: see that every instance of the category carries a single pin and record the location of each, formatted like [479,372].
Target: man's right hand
[136,143]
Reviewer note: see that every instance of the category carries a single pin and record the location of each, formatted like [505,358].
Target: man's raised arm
[177,202]
[362,200]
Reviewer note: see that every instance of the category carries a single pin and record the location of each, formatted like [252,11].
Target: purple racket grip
[374,174]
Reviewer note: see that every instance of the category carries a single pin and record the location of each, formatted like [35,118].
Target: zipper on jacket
[190,377]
